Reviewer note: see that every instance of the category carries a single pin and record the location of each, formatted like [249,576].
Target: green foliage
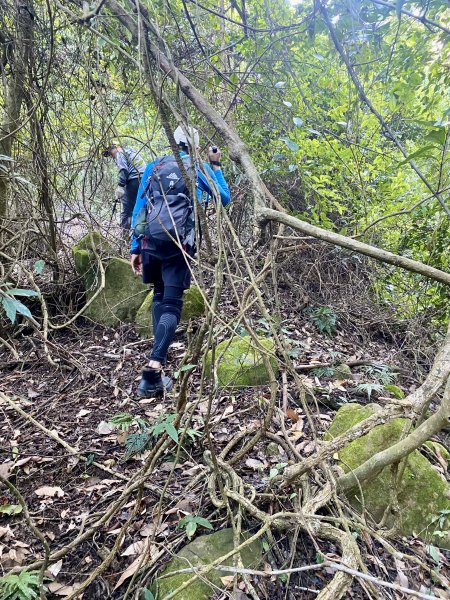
[39,266]
[276,470]
[124,421]
[368,388]
[144,433]
[12,306]
[23,586]
[165,425]
[136,443]
[147,594]
[190,523]
[325,320]
[10,509]
[442,523]
[380,373]
[182,369]
[323,371]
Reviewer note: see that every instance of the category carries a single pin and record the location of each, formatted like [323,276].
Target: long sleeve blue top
[202,187]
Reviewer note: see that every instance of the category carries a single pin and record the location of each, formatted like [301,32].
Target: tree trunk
[23,34]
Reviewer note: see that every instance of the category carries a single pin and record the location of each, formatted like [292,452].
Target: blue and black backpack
[168,219]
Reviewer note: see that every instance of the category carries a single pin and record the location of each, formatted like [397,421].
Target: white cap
[181,137]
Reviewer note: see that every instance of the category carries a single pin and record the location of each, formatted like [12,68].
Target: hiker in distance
[131,167]
[163,227]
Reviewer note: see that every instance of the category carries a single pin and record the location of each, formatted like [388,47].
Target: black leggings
[170,276]
[166,313]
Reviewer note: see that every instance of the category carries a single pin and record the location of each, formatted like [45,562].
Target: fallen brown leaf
[49,491]
[131,570]
[291,414]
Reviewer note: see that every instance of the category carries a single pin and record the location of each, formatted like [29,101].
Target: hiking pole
[116,200]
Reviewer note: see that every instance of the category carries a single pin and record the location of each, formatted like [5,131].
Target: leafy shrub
[325,320]
[190,523]
[12,306]
[23,586]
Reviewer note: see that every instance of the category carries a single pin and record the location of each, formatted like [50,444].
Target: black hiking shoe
[153,383]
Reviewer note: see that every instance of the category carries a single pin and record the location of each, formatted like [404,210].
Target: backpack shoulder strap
[158,162]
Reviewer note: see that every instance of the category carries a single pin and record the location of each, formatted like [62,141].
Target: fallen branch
[265,215]
[325,565]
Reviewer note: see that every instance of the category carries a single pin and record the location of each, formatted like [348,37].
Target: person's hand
[136,264]
[214,156]
[120,192]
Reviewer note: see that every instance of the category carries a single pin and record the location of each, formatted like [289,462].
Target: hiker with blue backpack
[164,240]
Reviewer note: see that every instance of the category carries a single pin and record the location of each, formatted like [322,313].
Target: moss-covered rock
[241,362]
[203,551]
[123,294]
[422,493]
[342,371]
[272,449]
[193,303]
[193,307]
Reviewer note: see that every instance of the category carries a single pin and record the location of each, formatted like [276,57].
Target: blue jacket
[202,186]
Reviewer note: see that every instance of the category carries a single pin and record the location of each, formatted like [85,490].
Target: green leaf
[297,121]
[136,443]
[22,309]
[434,553]
[148,595]
[172,432]
[290,144]
[20,292]
[437,136]
[425,151]
[9,306]
[39,266]
[203,522]
[10,509]
[188,367]
[191,528]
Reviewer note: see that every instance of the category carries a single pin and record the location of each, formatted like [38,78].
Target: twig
[326,564]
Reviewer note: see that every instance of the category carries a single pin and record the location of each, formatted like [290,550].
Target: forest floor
[68,481]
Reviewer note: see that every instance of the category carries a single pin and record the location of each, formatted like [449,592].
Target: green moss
[436,448]
[123,294]
[394,390]
[422,493]
[94,240]
[342,372]
[84,257]
[193,306]
[203,551]
[143,321]
[241,363]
